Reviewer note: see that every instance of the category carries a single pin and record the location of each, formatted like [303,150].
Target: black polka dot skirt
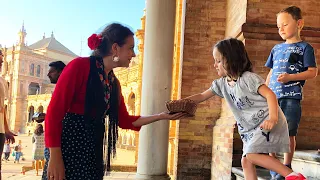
[78,150]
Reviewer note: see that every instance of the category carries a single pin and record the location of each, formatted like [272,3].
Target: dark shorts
[2,141]
[292,111]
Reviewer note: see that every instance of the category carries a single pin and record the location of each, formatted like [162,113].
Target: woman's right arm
[198,98]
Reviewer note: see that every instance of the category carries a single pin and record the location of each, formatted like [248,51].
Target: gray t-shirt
[250,109]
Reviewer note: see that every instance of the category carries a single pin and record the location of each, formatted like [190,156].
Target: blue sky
[70,20]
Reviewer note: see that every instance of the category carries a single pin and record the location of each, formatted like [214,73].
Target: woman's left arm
[127,121]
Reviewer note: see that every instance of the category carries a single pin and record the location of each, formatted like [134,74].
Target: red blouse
[69,96]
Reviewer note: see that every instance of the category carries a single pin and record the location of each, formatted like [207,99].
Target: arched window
[32,69]
[38,70]
[34,88]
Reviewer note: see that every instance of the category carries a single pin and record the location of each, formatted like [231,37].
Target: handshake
[183,105]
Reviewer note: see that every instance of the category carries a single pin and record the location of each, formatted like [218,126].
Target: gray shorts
[292,111]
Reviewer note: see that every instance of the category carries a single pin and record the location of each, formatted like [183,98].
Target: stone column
[156,88]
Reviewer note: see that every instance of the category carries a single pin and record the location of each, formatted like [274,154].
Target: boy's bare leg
[270,163]
[289,156]
[249,169]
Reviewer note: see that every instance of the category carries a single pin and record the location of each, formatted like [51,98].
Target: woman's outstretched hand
[175,116]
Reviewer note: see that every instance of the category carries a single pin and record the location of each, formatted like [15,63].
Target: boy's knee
[250,157]
[245,162]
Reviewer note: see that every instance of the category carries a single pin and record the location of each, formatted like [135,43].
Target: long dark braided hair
[98,90]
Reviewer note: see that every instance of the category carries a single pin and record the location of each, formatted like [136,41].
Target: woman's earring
[115,59]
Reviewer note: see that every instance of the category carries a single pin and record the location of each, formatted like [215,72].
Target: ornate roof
[51,44]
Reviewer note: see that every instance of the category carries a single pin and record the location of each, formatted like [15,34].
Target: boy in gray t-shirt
[251,110]
[262,125]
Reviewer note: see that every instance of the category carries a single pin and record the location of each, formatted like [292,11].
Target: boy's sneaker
[273,174]
[296,177]
[279,177]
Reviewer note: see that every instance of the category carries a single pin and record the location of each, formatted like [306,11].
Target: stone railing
[126,140]
[39,97]
[128,75]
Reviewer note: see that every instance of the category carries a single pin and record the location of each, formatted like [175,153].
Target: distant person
[38,147]
[7,150]
[18,152]
[55,70]
[54,73]
[5,133]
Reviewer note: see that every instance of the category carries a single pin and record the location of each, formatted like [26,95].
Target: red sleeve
[126,120]
[69,81]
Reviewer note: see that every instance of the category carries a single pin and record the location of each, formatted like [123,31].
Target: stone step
[237,173]
[306,162]
[263,174]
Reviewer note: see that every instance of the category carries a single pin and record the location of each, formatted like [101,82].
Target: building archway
[34,88]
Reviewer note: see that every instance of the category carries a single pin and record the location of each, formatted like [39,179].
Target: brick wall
[204,26]
[264,11]
[222,144]
[308,134]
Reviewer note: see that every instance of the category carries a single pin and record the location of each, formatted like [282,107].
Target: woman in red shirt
[88,91]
